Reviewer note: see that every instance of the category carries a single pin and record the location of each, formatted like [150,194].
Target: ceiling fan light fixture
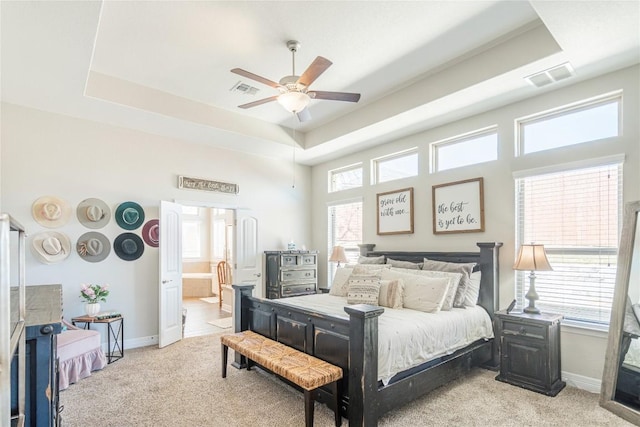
[294,102]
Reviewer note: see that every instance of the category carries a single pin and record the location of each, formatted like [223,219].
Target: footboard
[350,342]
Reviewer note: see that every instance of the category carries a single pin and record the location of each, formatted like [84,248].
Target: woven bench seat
[300,368]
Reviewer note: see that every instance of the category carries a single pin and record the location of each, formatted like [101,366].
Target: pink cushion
[72,343]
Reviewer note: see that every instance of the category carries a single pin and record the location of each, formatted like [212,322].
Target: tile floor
[198,314]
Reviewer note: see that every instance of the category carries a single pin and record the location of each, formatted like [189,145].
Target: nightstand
[530,351]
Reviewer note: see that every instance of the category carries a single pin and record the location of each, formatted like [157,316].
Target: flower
[94,293]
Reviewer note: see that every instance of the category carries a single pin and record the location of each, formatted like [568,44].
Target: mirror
[620,391]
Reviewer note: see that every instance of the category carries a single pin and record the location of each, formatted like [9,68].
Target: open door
[170,286]
[248,261]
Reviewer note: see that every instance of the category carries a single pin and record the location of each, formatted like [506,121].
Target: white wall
[50,154]
[499,192]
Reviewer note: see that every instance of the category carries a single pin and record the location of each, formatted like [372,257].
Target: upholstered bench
[300,368]
[79,353]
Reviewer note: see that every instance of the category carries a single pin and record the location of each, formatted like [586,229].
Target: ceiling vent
[551,75]
[244,88]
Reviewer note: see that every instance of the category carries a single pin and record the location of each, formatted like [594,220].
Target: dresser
[290,273]
[530,351]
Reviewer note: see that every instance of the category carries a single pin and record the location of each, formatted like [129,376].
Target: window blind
[576,215]
[345,229]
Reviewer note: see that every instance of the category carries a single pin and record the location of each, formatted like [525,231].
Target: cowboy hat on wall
[151,233]
[129,215]
[93,213]
[93,246]
[50,247]
[128,246]
[51,212]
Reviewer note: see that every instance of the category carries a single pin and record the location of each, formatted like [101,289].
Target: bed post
[489,297]
[363,364]
[240,317]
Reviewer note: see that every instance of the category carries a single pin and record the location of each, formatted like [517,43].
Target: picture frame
[395,212]
[458,207]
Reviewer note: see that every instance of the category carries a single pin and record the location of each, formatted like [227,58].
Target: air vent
[244,88]
[551,75]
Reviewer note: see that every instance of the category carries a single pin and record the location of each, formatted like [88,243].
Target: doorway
[207,240]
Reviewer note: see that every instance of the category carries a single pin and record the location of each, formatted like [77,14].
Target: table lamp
[338,255]
[533,258]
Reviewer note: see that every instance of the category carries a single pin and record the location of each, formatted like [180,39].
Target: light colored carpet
[223,323]
[210,300]
[181,385]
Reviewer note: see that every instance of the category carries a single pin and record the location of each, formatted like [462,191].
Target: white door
[170,287]
[248,260]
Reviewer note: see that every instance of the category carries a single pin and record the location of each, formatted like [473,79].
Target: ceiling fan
[294,90]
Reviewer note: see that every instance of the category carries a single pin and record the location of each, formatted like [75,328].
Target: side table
[530,351]
[115,351]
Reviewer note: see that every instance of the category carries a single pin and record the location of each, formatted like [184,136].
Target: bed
[350,340]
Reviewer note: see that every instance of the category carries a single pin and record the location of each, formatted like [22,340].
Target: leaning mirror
[620,391]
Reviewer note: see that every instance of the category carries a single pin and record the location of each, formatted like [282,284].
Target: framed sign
[395,212]
[458,207]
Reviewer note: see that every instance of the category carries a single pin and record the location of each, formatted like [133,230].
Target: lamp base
[531,310]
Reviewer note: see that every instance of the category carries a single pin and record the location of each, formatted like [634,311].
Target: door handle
[258,274]
[166,281]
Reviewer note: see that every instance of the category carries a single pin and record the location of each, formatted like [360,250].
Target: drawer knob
[523,330]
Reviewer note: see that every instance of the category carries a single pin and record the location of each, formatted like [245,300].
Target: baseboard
[589,384]
[135,343]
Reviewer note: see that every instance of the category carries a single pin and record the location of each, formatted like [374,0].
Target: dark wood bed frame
[351,341]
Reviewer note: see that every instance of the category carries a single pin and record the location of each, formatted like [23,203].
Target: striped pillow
[363,290]
[391,293]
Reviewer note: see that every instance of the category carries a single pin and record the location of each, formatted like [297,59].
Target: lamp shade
[338,255]
[533,258]
[294,102]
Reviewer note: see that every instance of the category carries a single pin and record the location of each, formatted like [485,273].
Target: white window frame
[201,221]
[575,107]
[332,173]
[375,164]
[458,139]
[522,280]
[352,252]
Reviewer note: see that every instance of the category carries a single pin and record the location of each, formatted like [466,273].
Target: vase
[91,309]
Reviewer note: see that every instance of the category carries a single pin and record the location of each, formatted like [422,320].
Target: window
[345,229]
[575,213]
[586,122]
[395,166]
[345,178]
[194,233]
[469,149]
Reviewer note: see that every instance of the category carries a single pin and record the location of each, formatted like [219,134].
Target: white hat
[51,247]
[93,213]
[51,212]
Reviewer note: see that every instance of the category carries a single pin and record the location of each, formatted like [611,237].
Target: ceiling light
[294,102]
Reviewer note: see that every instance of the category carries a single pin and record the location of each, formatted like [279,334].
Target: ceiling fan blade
[258,102]
[334,96]
[317,67]
[255,77]
[304,115]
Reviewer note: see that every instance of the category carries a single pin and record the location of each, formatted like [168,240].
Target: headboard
[486,259]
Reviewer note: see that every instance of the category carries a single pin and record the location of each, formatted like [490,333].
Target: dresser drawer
[303,289]
[308,260]
[528,329]
[289,260]
[297,275]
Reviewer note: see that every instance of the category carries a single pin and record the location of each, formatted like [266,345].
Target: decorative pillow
[371,259]
[404,264]
[369,269]
[454,282]
[473,291]
[453,267]
[391,293]
[363,290]
[340,286]
[420,292]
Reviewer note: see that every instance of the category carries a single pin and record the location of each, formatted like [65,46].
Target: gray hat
[50,247]
[93,246]
[93,213]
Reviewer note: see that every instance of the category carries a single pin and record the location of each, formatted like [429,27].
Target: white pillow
[359,269]
[371,259]
[454,281]
[340,286]
[420,292]
[473,290]
[391,293]
[363,290]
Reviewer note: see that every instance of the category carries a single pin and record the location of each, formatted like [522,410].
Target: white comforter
[407,338]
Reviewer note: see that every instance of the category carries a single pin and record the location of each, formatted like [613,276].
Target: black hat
[128,246]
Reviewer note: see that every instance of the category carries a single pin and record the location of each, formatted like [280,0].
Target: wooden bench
[300,368]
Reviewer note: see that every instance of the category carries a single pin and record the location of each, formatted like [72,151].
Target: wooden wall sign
[458,207]
[207,185]
[395,212]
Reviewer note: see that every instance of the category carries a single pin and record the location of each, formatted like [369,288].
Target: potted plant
[92,295]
